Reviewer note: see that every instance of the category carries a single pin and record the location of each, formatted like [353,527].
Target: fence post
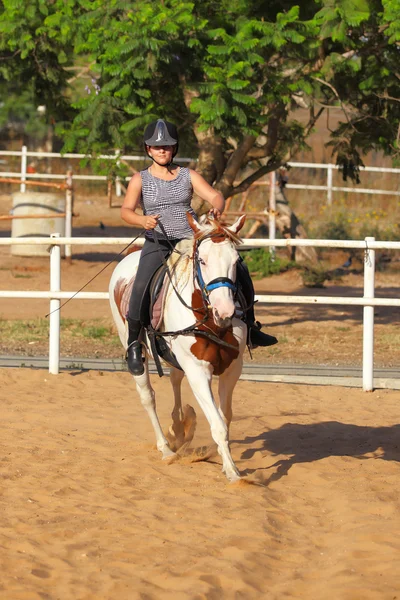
[118,189]
[55,286]
[272,211]
[23,168]
[368,318]
[68,213]
[329,181]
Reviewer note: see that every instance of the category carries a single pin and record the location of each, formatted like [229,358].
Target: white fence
[329,187]
[368,301]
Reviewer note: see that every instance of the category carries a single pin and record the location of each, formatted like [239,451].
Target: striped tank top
[171,200]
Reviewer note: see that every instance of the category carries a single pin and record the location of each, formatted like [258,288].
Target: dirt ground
[91,512]
[307,334]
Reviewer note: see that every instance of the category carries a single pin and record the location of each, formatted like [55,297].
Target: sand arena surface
[90,511]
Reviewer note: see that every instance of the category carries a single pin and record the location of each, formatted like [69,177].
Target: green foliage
[226,70]
[337,229]
[379,232]
[34,55]
[262,263]
[314,276]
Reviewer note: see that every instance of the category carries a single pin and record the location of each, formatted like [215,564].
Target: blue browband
[215,283]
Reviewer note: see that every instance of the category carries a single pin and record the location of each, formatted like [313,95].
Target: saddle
[151,315]
[153,310]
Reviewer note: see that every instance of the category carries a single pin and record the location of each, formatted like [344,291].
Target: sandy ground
[91,512]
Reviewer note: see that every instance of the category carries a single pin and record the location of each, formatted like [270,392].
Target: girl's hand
[150,221]
[214,213]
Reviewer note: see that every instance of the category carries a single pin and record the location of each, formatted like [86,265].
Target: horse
[201,326]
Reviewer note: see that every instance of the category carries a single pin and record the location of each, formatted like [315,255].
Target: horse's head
[215,266]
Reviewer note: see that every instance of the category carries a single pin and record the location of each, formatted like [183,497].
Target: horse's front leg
[147,398]
[226,385]
[199,377]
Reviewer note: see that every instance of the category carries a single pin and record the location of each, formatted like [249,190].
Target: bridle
[214,283]
[205,290]
[198,276]
[199,328]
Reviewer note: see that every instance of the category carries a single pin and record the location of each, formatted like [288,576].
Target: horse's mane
[179,264]
[214,229]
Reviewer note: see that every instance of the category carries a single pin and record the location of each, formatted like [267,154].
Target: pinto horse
[203,330]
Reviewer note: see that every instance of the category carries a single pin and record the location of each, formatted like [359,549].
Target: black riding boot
[133,355]
[255,336]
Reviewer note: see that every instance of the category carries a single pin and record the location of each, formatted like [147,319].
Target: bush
[262,263]
[314,276]
[391,234]
[337,229]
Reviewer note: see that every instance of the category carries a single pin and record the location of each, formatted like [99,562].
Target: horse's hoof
[169,455]
[232,475]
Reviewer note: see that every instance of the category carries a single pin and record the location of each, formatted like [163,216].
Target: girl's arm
[131,203]
[208,193]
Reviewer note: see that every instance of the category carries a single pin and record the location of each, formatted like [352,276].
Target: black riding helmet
[161,133]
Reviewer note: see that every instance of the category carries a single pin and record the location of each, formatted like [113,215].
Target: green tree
[230,73]
[33,58]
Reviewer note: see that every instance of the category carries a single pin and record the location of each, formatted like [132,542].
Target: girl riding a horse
[164,192]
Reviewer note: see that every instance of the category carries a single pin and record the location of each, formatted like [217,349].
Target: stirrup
[258,338]
[134,358]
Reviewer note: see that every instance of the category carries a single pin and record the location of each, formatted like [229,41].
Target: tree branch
[82,72]
[235,162]
[246,183]
[11,56]
[276,163]
[337,96]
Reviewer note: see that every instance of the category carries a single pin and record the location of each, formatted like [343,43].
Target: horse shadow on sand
[312,442]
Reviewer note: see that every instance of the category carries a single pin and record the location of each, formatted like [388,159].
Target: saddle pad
[158,308]
[126,295]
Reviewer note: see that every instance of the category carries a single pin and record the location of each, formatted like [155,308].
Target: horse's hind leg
[183,420]
[147,398]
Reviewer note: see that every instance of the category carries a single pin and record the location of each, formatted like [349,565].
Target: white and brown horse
[203,274]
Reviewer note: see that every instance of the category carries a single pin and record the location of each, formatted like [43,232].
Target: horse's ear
[193,223]
[237,226]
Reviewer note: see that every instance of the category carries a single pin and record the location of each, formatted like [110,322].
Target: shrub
[314,276]
[337,229]
[262,263]
[379,233]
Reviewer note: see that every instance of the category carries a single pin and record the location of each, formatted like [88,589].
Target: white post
[272,210]
[23,168]
[118,189]
[55,286]
[329,184]
[368,320]
[68,214]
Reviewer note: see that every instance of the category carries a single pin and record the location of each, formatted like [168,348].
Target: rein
[97,274]
[205,289]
